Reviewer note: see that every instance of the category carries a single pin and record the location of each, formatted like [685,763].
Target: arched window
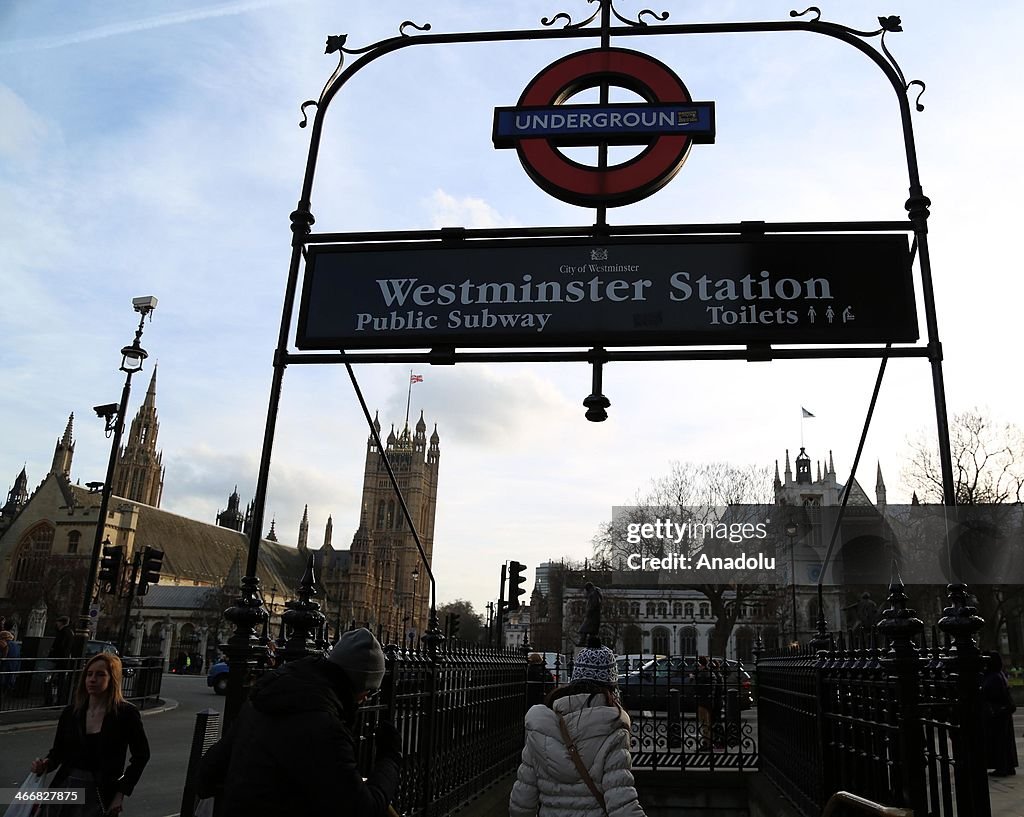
[688,610]
[662,609]
[74,537]
[634,609]
[812,613]
[389,521]
[650,609]
[745,645]
[677,609]
[688,641]
[705,610]
[33,554]
[660,641]
[381,507]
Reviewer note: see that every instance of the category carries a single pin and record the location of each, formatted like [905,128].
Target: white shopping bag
[34,782]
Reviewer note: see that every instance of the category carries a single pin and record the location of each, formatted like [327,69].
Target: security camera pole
[113,415]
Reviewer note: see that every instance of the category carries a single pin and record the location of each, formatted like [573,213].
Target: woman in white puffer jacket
[584,716]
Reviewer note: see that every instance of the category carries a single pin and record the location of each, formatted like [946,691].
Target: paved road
[170,735]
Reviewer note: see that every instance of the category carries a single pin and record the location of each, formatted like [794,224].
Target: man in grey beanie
[292,749]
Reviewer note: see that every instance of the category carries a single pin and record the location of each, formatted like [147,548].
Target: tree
[983,532]
[988,461]
[699,499]
[471,623]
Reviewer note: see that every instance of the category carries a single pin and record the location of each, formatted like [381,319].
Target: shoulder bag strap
[574,755]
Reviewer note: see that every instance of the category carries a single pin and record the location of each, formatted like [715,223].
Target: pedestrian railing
[687,715]
[41,683]
[459,710]
[879,714]
[460,714]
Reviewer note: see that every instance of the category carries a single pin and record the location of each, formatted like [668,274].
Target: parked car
[649,687]
[632,662]
[93,647]
[217,677]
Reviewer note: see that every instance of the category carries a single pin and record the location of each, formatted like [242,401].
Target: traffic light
[152,562]
[453,625]
[516,579]
[110,568]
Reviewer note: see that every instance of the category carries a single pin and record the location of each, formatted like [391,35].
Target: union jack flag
[415,378]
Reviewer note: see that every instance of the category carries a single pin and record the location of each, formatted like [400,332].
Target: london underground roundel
[667,122]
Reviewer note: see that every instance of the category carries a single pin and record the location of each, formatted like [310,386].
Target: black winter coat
[291,750]
[122,730]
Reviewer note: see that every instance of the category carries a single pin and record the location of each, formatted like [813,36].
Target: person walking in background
[62,640]
[10,653]
[10,663]
[55,688]
[95,733]
[292,748]
[704,690]
[998,708]
[576,760]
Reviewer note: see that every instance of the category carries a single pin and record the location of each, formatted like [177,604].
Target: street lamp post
[132,357]
[415,597]
[791,532]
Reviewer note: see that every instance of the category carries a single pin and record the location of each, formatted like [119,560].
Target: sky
[153,148]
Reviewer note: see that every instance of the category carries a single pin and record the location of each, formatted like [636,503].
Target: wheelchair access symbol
[668,122]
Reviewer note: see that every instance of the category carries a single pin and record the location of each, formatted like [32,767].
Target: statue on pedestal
[590,629]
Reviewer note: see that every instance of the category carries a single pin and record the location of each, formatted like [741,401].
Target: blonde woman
[94,735]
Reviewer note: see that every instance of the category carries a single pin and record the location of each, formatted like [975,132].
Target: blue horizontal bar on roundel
[630,123]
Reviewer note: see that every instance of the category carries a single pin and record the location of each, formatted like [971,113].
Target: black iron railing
[880,714]
[687,715]
[41,683]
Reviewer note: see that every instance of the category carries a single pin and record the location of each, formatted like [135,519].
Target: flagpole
[408,400]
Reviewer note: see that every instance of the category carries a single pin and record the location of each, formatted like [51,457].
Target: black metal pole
[792,581]
[136,564]
[82,633]
[501,609]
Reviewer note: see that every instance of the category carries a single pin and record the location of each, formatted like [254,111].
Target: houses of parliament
[46,536]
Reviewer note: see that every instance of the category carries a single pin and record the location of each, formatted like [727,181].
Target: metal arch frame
[249,613]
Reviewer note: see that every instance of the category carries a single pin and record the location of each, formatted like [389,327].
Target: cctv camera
[106,410]
[145,304]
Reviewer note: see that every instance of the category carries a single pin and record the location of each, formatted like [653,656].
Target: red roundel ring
[619,184]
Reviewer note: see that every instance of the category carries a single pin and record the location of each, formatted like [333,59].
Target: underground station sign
[667,123]
[619,292]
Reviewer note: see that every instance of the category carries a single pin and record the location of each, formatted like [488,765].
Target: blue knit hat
[594,664]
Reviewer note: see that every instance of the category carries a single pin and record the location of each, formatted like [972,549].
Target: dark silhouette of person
[293,748]
[539,680]
[56,691]
[866,610]
[997,719]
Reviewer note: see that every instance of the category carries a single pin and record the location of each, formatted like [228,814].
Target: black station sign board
[665,291]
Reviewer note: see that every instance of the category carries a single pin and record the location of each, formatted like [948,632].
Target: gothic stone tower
[139,475]
[381,587]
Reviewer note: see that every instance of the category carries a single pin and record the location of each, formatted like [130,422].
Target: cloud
[131,26]
[481,404]
[22,131]
[469,211]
